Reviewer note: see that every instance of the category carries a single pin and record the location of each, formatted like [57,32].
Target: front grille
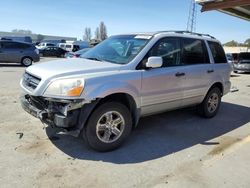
[30,81]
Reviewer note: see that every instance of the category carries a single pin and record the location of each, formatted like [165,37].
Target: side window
[169,50]
[9,45]
[22,46]
[194,51]
[217,52]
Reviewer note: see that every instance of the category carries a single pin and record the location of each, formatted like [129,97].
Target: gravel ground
[163,151]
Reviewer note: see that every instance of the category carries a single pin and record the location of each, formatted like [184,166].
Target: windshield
[118,49]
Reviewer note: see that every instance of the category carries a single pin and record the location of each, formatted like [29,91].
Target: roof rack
[188,32]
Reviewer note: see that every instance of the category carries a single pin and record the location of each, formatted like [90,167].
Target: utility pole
[191,24]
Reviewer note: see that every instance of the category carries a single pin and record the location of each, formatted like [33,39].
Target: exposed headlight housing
[71,87]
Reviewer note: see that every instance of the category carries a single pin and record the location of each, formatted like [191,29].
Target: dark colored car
[18,52]
[243,62]
[52,51]
[77,53]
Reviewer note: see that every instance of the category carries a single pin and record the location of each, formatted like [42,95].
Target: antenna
[191,24]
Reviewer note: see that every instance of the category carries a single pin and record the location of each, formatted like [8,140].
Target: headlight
[72,87]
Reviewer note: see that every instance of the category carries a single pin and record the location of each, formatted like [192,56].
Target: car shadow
[160,135]
[10,65]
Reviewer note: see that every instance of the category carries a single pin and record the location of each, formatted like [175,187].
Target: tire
[102,133]
[26,61]
[211,104]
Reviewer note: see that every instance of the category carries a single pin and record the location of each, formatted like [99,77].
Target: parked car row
[240,62]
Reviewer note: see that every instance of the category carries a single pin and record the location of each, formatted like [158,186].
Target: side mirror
[154,62]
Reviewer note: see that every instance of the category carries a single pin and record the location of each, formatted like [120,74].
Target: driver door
[162,88]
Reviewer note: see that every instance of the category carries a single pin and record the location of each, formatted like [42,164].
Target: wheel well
[28,57]
[218,85]
[124,99]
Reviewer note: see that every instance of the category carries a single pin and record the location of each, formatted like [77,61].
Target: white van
[75,46]
[44,45]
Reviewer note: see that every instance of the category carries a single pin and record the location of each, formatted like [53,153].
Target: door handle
[210,71]
[178,74]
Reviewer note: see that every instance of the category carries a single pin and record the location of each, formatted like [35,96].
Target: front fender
[104,90]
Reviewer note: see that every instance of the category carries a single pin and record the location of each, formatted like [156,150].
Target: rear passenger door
[197,69]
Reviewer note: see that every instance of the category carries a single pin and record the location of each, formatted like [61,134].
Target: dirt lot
[174,149]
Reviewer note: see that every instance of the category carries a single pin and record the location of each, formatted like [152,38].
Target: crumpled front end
[59,113]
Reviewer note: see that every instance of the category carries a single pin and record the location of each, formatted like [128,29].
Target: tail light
[37,51]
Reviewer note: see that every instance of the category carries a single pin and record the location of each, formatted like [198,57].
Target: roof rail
[188,32]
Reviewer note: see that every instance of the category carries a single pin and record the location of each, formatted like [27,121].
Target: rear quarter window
[217,52]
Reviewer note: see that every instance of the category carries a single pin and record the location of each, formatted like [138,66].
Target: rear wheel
[210,105]
[108,126]
[26,61]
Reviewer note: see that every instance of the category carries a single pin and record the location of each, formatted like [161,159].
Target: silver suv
[103,94]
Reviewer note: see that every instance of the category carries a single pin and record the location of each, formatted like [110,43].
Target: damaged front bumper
[59,113]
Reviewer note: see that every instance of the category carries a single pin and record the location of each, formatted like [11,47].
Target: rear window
[217,52]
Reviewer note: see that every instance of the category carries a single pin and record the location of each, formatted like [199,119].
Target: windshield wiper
[93,58]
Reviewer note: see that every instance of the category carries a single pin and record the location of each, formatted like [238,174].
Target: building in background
[35,37]
[236,49]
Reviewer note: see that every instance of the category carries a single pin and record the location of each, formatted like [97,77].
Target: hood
[66,67]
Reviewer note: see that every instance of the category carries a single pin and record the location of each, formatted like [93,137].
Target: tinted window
[22,46]
[244,56]
[48,44]
[9,45]
[169,50]
[217,52]
[194,52]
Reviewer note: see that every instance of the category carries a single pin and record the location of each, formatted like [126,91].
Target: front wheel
[108,126]
[210,105]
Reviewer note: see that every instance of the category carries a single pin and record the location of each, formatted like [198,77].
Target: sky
[70,17]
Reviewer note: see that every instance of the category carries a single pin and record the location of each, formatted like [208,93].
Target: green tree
[231,43]
[40,38]
[247,42]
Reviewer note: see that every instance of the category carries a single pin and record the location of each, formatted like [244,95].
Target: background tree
[103,31]
[231,43]
[40,38]
[97,34]
[22,31]
[247,43]
[87,34]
